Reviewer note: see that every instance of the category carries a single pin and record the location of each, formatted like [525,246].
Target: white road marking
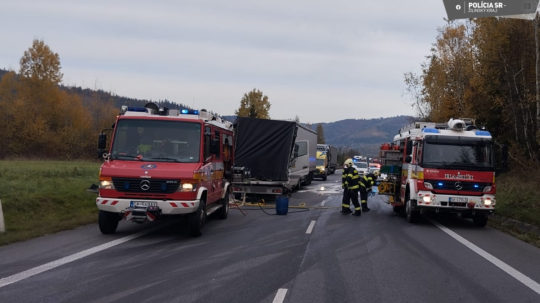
[325,200]
[310,227]
[45,267]
[280,296]
[500,264]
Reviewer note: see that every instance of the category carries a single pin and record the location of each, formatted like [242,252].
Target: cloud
[319,59]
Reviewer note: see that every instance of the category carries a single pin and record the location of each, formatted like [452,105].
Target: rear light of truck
[277,191]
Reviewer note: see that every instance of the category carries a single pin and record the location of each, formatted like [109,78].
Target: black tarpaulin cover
[264,146]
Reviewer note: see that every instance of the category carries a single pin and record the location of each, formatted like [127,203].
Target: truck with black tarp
[264,153]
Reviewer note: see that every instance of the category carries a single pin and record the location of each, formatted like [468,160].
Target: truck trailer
[264,156]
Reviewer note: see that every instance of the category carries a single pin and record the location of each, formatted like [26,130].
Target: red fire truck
[440,167]
[164,162]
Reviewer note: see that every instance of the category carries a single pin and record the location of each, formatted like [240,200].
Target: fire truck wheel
[480,220]
[108,222]
[223,212]
[197,219]
[412,216]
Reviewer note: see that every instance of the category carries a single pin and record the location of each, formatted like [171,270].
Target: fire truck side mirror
[102,141]
[408,159]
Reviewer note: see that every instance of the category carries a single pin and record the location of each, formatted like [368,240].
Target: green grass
[518,196]
[43,197]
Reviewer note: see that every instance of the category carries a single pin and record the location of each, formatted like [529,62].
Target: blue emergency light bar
[136,109]
[430,130]
[189,112]
[482,133]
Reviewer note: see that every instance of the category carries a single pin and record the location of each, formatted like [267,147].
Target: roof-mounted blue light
[482,133]
[189,112]
[430,130]
[136,109]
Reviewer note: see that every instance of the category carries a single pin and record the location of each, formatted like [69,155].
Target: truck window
[207,142]
[153,140]
[302,148]
[218,137]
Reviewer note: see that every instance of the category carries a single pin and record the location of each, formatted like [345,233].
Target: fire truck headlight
[487,189]
[428,185]
[427,198]
[187,187]
[106,185]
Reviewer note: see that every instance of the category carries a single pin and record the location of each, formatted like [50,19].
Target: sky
[321,60]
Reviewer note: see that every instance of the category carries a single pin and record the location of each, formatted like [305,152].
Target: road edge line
[500,264]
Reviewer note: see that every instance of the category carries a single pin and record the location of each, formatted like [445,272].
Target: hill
[364,135]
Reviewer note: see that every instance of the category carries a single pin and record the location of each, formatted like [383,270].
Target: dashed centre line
[280,296]
[310,227]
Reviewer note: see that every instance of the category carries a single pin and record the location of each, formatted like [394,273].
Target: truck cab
[164,162]
[322,170]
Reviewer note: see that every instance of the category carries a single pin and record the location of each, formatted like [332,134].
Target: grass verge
[43,197]
[518,206]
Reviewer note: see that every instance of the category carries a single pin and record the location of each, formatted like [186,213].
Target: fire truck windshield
[157,140]
[458,153]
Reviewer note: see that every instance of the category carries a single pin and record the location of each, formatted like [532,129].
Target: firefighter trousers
[349,195]
[363,197]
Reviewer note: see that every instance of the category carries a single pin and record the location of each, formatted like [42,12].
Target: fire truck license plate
[142,203]
[458,199]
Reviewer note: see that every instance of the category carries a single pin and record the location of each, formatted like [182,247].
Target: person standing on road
[365,186]
[350,187]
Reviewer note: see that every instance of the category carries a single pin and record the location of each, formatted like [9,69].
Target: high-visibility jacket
[367,180]
[349,178]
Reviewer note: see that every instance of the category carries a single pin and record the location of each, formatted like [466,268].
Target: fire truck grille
[137,185]
[458,185]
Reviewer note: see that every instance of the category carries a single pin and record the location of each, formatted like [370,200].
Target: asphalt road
[318,255]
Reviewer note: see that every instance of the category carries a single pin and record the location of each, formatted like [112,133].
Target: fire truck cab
[164,162]
[441,167]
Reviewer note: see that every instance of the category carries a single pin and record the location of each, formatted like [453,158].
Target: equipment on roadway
[440,167]
[165,162]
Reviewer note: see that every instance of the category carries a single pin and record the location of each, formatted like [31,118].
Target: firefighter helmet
[348,162]
[376,173]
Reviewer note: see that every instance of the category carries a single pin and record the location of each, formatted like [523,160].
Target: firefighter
[366,183]
[350,187]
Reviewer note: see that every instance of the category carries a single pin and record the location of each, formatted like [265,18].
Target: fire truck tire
[196,220]
[412,216]
[223,212]
[108,222]
[480,220]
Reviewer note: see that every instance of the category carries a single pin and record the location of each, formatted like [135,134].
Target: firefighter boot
[357,212]
[364,207]
[345,209]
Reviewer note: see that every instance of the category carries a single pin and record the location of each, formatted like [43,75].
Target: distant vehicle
[360,165]
[326,161]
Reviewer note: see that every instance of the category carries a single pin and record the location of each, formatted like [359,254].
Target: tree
[297,119]
[40,64]
[320,134]
[254,105]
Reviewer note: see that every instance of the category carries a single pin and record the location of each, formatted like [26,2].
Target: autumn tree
[320,134]
[254,105]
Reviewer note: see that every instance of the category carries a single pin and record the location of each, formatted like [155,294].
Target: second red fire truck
[440,167]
